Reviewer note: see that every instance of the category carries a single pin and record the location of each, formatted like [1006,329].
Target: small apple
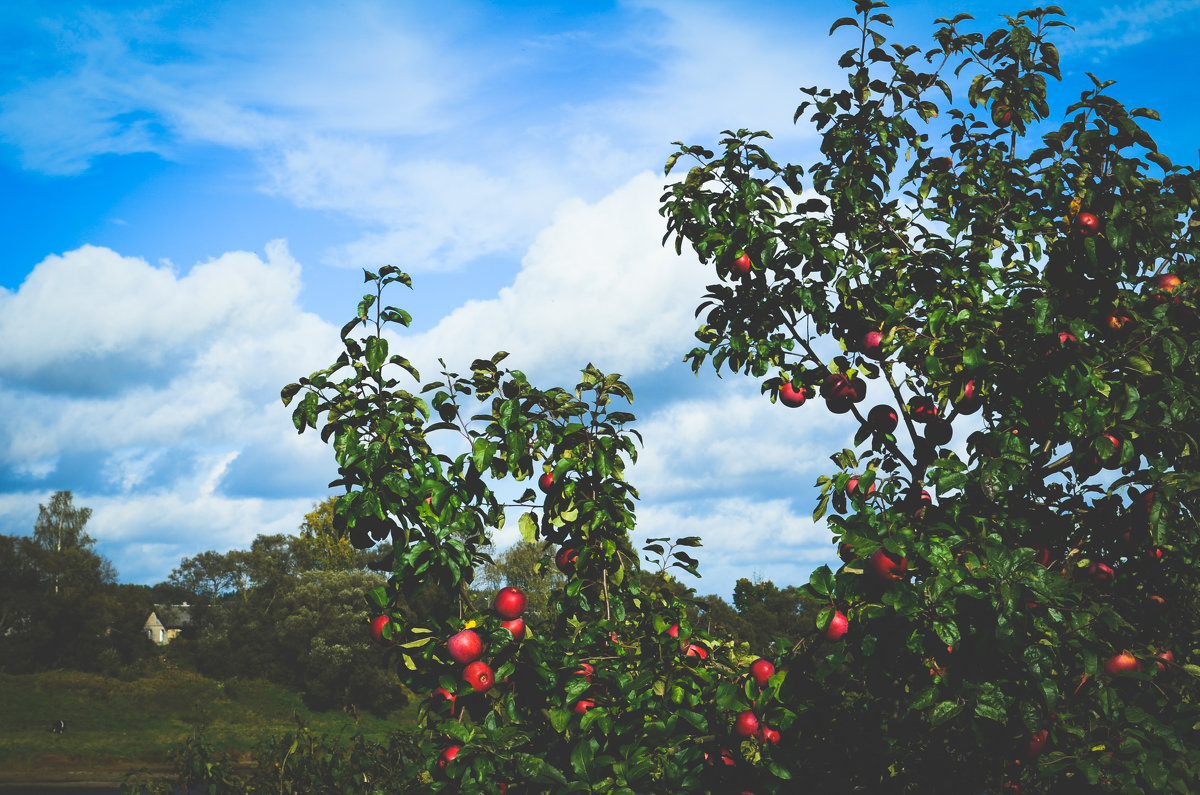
[741,265]
[941,164]
[768,735]
[858,390]
[846,552]
[582,706]
[377,625]
[1165,656]
[746,723]
[885,567]
[1165,283]
[1087,224]
[516,626]
[1156,554]
[585,670]
[1002,114]
[448,756]
[1101,573]
[883,419]
[1113,459]
[1037,743]
[695,650]
[839,625]
[872,344]
[922,409]
[673,631]
[968,399]
[838,405]
[566,559]
[938,431]
[1043,557]
[726,758]
[510,602]
[762,670]
[1115,322]
[479,676]
[792,396]
[1154,600]
[546,482]
[852,487]
[465,646]
[445,695]
[1120,663]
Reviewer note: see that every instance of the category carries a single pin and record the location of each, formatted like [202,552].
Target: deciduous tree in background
[1015,515]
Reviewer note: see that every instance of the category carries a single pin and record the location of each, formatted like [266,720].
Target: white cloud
[1109,28]
[737,441]
[596,286]
[743,537]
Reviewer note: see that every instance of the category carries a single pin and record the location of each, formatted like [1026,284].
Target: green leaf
[528,527]
[947,710]
[821,580]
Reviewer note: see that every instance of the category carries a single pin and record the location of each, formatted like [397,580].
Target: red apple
[585,670]
[1156,554]
[968,400]
[1037,743]
[1120,663]
[673,630]
[872,344]
[768,735]
[479,676]
[465,646]
[695,650]
[792,396]
[546,482]
[1043,557]
[445,694]
[1167,282]
[741,265]
[858,390]
[1101,573]
[1002,114]
[510,602]
[377,625]
[938,431]
[1113,459]
[1115,322]
[566,559]
[762,670]
[516,626]
[839,625]
[922,409]
[886,567]
[448,756]
[852,486]
[1164,656]
[941,164]
[883,419]
[582,706]
[746,724]
[1087,224]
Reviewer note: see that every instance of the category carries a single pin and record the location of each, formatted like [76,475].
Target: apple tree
[1008,313]
[1015,511]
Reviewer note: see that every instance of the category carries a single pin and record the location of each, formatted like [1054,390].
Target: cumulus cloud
[442,140]
[1109,28]
[595,286]
[148,393]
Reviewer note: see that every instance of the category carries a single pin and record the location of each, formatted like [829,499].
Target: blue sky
[190,189]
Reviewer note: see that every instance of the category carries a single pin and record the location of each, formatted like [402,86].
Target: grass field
[115,726]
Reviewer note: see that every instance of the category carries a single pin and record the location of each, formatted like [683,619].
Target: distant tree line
[289,609]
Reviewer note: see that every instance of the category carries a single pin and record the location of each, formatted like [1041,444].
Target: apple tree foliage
[968,281]
[943,260]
